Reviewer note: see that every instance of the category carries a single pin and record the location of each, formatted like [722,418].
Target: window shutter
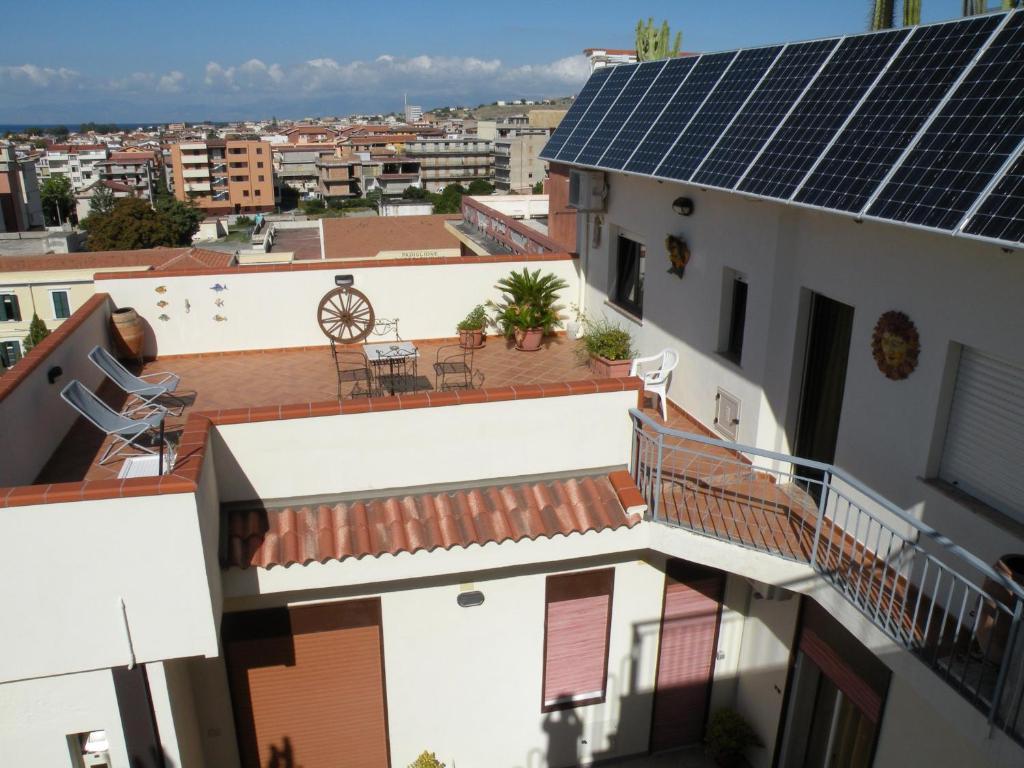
[578,615]
[9,308]
[10,353]
[845,678]
[984,447]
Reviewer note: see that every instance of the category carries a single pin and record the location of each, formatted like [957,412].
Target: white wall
[146,550]
[426,446]
[278,309]
[517,206]
[33,418]
[36,716]
[955,291]
[170,689]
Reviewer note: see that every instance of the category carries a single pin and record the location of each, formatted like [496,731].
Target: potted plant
[528,308]
[607,347]
[427,760]
[471,328]
[727,737]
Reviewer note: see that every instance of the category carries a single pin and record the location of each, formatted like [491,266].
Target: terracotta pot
[529,339]
[129,333]
[994,626]
[604,368]
[473,339]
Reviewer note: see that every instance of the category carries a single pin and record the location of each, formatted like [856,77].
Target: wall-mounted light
[683,206]
[344,281]
[470,599]
[54,373]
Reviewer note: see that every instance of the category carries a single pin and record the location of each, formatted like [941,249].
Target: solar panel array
[922,126]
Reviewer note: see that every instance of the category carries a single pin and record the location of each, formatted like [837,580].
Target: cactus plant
[911,12]
[882,14]
[974,7]
[652,42]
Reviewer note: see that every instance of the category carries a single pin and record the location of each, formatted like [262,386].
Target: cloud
[172,82]
[37,77]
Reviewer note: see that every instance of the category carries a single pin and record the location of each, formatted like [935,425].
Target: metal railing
[932,597]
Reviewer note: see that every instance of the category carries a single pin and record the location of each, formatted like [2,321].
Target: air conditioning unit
[587,190]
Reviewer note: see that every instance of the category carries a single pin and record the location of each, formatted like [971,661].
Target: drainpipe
[584,266]
[127,633]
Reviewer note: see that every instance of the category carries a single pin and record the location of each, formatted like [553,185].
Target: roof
[75,147]
[130,158]
[426,521]
[148,257]
[198,258]
[363,237]
[385,138]
[309,129]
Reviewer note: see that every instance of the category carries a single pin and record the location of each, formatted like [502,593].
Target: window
[258,193]
[261,177]
[259,164]
[983,449]
[629,276]
[245,193]
[259,150]
[10,353]
[577,621]
[61,305]
[734,315]
[9,309]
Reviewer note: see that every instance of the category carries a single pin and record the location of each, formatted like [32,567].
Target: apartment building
[310,134]
[338,176]
[20,206]
[457,160]
[517,163]
[78,162]
[413,114]
[608,57]
[295,165]
[546,568]
[224,175]
[135,170]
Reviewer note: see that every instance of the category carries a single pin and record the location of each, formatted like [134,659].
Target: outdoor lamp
[344,281]
[683,206]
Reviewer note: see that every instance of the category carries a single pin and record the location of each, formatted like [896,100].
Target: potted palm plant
[606,347]
[471,328]
[528,307]
[728,736]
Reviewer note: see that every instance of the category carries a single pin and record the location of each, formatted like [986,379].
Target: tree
[480,187]
[450,199]
[182,218]
[538,188]
[37,331]
[652,43]
[102,201]
[58,203]
[132,224]
[415,193]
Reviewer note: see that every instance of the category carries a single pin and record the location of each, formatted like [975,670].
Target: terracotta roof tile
[365,237]
[198,258]
[148,257]
[427,521]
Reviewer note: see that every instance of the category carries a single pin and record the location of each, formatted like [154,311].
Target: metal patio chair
[142,394]
[453,367]
[125,431]
[353,369]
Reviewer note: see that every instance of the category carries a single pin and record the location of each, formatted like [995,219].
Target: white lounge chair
[124,430]
[656,379]
[143,394]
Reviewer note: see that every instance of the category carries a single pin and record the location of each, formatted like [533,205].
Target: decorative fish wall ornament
[162,303]
[220,318]
[218,287]
[219,302]
[161,289]
[165,318]
[188,306]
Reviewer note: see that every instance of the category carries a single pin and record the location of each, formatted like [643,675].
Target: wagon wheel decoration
[345,315]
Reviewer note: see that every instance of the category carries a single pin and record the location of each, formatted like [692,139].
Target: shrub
[37,331]
[427,760]
[243,221]
[728,736]
[475,320]
[528,300]
[313,206]
[603,338]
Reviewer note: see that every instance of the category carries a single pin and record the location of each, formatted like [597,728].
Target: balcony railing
[914,584]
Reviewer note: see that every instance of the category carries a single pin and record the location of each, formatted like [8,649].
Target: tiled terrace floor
[284,377]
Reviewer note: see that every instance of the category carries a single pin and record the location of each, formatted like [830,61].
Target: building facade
[20,206]
[445,161]
[78,162]
[135,170]
[517,163]
[224,176]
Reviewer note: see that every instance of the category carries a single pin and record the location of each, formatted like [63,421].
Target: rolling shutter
[984,448]
[308,686]
[578,615]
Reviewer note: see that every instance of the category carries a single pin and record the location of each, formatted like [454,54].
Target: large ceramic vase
[129,333]
[529,339]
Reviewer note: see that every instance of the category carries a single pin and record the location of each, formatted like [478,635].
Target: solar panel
[1001,215]
[820,113]
[684,104]
[893,113]
[714,117]
[628,100]
[966,144]
[646,114]
[755,123]
[604,100]
[572,118]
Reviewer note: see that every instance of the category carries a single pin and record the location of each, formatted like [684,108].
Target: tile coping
[194,440]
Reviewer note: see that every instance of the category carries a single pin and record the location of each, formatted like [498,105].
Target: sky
[144,60]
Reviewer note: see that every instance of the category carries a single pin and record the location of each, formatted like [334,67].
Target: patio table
[395,355]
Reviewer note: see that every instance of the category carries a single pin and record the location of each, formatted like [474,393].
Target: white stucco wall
[278,309]
[956,291]
[36,716]
[170,689]
[424,446]
[146,550]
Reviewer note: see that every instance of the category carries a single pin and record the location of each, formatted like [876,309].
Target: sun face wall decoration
[895,345]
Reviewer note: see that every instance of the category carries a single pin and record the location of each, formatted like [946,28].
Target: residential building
[413,114]
[20,206]
[543,566]
[78,162]
[608,57]
[136,170]
[83,199]
[504,224]
[338,176]
[310,134]
[224,175]
[517,163]
[447,161]
[295,165]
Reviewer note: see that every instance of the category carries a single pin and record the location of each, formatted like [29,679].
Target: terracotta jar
[129,333]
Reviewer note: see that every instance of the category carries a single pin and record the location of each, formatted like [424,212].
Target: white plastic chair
[656,380]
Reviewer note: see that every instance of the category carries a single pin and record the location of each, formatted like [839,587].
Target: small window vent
[727,414]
